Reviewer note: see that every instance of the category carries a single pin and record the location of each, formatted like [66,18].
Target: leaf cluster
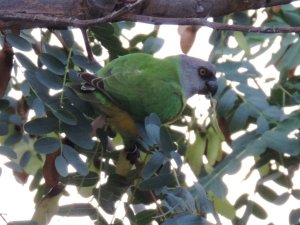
[47,132]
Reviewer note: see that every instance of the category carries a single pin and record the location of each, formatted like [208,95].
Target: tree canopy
[47,129]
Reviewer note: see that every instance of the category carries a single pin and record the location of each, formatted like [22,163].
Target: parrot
[131,87]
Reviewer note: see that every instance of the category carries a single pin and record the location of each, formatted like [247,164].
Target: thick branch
[83,13]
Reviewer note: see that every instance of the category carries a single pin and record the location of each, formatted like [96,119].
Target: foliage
[59,132]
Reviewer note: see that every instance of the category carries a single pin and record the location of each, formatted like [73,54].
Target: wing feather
[142,84]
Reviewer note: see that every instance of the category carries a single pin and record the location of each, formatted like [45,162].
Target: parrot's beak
[212,87]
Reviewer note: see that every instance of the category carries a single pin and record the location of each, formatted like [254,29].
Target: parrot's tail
[117,118]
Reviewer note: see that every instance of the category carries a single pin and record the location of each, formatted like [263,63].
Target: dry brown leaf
[50,173]
[187,37]
[6,64]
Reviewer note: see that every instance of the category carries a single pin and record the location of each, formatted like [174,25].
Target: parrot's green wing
[137,81]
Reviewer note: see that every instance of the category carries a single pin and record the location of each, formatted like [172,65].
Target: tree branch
[213,25]
[85,13]
[65,22]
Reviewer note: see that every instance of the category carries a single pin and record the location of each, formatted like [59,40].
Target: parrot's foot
[132,154]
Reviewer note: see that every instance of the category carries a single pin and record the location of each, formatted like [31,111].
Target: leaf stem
[65,76]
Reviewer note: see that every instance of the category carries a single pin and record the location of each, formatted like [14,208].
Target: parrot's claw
[133,154]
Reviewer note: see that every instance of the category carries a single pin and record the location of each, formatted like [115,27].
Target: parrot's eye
[203,72]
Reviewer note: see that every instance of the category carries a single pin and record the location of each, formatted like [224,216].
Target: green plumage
[141,85]
[133,86]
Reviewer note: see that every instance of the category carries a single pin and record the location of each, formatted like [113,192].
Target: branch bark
[23,14]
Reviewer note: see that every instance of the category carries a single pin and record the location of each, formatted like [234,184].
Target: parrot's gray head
[197,76]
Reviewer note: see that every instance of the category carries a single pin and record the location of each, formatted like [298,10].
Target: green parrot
[131,87]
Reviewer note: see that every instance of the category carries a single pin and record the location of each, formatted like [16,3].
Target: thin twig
[88,48]
[1,215]
[213,25]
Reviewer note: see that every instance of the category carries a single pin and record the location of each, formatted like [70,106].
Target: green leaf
[65,116]
[18,42]
[296,97]
[15,119]
[83,62]
[157,182]
[105,33]
[102,135]
[25,88]
[280,142]
[285,181]
[241,201]
[61,166]
[13,138]
[290,58]
[36,179]
[25,158]
[281,199]
[38,107]
[83,181]
[242,41]
[97,49]
[267,193]
[14,166]
[166,143]
[25,222]
[145,217]
[137,39]
[41,126]
[224,207]
[153,119]
[7,151]
[273,112]
[255,147]
[152,45]
[259,211]
[78,135]
[296,193]
[153,164]
[201,200]
[186,220]
[262,125]
[52,63]
[152,127]
[249,91]
[214,183]
[72,156]
[226,102]
[111,192]
[294,216]
[259,102]
[4,104]
[79,104]
[39,90]
[80,210]
[292,17]
[240,117]
[49,79]
[57,52]
[25,61]
[68,37]
[3,128]
[46,145]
